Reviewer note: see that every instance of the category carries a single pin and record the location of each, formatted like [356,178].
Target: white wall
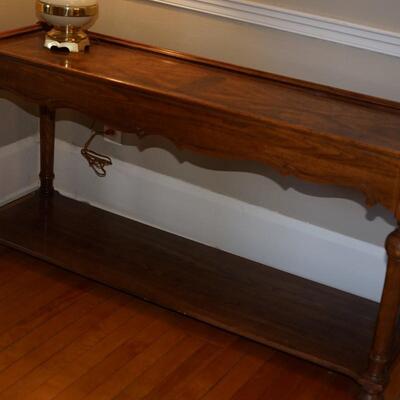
[16,122]
[16,13]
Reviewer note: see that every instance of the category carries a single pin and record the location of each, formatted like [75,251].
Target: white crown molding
[332,30]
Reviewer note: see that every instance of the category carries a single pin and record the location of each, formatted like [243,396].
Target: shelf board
[320,324]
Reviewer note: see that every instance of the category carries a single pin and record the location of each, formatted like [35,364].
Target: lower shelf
[312,321]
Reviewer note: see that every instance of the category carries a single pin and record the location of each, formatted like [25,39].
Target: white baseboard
[204,216]
[18,169]
[225,223]
[301,23]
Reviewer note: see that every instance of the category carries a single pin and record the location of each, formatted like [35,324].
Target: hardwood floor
[64,337]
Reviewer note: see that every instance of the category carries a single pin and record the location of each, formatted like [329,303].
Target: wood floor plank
[74,373]
[9,269]
[337,387]
[166,365]
[138,342]
[8,274]
[35,291]
[237,377]
[169,388]
[277,387]
[40,299]
[312,384]
[262,382]
[195,385]
[204,331]
[44,313]
[119,380]
[110,320]
[23,356]
[51,327]
[24,284]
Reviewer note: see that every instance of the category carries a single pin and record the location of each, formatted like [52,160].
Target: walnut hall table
[313,132]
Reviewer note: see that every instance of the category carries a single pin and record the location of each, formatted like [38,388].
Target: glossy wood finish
[82,341]
[316,133]
[381,353]
[47,139]
[321,324]
[232,113]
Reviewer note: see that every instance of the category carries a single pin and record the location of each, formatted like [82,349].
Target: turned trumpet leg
[47,137]
[376,377]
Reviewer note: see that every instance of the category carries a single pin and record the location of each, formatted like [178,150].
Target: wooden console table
[316,133]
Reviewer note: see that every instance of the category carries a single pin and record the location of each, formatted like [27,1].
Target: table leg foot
[369,396]
[377,375]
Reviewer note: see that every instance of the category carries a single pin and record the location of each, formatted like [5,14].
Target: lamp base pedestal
[75,40]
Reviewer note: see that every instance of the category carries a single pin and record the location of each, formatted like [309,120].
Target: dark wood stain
[317,133]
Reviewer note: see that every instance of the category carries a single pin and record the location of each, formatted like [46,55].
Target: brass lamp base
[68,17]
[72,38]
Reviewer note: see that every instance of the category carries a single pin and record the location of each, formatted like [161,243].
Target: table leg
[376,377]
[47,136]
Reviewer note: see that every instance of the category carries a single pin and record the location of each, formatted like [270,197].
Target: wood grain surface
[315,133]
[84,341]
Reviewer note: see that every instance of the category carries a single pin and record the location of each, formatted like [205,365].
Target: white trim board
[315,26]
[249,231]
[187,210]
[19,164]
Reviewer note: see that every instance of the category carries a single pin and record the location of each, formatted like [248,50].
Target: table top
[352,117]
[314,132]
